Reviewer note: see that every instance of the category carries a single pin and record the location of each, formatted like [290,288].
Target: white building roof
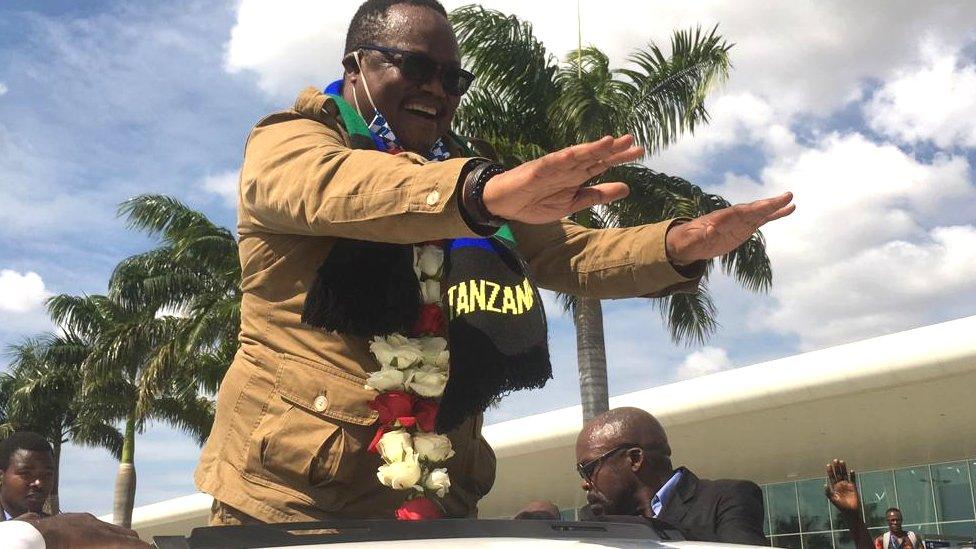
[896,400]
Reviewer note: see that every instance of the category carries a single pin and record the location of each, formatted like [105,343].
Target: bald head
[621,426]
[624,458]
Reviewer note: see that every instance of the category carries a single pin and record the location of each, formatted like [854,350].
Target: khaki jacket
[292,423]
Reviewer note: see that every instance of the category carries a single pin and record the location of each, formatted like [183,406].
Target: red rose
[418,509]
[431,321]
[426,413]
[393,405]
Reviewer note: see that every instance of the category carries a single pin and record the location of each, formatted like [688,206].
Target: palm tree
[526,104]
[135,372]
[195,271]
[42,392]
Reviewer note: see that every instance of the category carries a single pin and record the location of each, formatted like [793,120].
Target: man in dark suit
[624,459]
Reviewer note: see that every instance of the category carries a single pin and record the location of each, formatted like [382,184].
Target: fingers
[603,193]
[782,212]
[842,470]
[596,157]
[768,206]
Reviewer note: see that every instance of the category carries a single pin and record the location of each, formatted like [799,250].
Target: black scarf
[497,335]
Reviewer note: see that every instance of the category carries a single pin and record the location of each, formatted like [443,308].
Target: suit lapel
[676,508]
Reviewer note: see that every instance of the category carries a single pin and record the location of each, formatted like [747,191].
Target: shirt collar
[662,496]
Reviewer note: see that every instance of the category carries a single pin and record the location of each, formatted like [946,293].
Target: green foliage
[525,103]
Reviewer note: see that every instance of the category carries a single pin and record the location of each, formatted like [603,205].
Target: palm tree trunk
[53,505]
[591,357]
[125,481]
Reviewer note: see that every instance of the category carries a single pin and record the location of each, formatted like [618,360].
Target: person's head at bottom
[26,473]
[538,510]
[623,459]
[893,518]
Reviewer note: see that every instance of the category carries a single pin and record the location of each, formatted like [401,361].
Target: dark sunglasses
[586,468]
[421,69]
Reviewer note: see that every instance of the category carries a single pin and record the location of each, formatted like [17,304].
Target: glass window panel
[814,512]
[843,540]
[972,476]
[818,541]
[877,494]
[967,528]
[783,517]
[875,532]
[765,512]
[915,495]
[787,542]
[953,494]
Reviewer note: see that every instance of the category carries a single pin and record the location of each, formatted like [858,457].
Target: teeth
[422,108]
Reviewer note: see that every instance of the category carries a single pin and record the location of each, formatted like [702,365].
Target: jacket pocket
[314,430]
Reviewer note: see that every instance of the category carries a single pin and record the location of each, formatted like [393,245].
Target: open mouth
[427,112]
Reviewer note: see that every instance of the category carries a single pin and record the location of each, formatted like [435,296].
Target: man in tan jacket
[293,422]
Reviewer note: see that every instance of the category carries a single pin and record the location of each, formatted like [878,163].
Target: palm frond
[667,92]
[690,317]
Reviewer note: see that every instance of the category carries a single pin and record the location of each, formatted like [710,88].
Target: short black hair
[893,510]
[369,23]
[22,440]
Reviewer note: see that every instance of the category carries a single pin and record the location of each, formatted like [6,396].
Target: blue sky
[867,114]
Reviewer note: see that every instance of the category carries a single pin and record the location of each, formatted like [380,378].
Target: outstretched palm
[841,488]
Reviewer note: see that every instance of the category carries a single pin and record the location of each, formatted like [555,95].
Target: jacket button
[320,403]
[433,197]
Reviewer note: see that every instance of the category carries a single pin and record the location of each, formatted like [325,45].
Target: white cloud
[3,88]
[800,56]
[706,361]
[935,102]
[289,44]
[881,241]
[223,185]
[21,293]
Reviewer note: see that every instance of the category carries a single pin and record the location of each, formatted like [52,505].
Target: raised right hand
[550,188]
[841,488]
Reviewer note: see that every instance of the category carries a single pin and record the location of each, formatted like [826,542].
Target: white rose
[428,383]
[435,351]
[395,445]
[438,482]
[383,351]
[429,260]
[400,475]
[403,352]
[431,290]
[386,379]
[434,447]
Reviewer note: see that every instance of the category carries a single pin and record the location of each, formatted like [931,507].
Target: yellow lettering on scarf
[524,295]
[462,300]
[483,295]
[508,301]
[477,294]
[494,294]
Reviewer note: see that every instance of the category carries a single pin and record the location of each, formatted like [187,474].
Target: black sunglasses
[586,468]
[420,68]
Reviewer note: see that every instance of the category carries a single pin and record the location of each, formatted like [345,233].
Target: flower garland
[412,376]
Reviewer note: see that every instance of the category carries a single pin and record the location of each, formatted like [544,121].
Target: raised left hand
[722,231]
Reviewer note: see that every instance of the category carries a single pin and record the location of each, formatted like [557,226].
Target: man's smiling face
[418,112]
